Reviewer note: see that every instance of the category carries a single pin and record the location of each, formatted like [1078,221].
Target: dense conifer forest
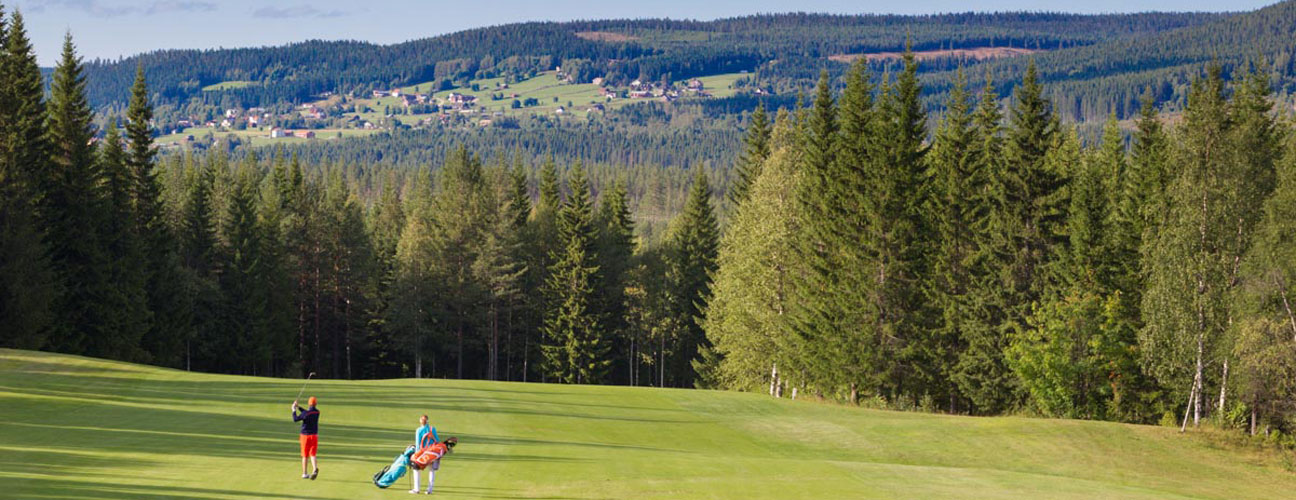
[849,250]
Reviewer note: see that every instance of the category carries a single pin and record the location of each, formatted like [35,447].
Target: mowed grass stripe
[73,427]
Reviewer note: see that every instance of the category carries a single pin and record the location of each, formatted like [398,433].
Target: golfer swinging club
[309,418]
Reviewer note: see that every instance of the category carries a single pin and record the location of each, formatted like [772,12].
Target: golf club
[303,387]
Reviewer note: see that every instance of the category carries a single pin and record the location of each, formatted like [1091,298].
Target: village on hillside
[481,103]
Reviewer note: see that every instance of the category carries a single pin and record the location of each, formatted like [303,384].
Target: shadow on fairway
[514,441]
[108,390]
[494,493]
[62,489]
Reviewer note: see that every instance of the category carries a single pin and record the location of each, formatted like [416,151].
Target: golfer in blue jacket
[425,435]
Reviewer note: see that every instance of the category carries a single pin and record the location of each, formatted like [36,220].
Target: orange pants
[309,444]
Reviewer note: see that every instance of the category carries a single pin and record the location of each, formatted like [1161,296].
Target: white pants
[431,475]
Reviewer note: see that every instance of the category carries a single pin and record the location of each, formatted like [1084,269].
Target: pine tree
[692,260]
[829,309]
[957,176]
[197,233]
[73,213]
[1035,196]
[411,314]
[462,211]
[542,245]
[25,143]
[29,286]
[161,262]
[499,270]
[242,344]
[575,348]
[1086,263]
[896,232]
[616,245]
[130,318]
[386,223]
[981,374]
[756,147]
[1026,235]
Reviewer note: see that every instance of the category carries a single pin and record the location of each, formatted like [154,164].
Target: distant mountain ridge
[781,47]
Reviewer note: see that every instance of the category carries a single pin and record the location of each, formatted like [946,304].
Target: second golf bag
[391,473]
[428,455]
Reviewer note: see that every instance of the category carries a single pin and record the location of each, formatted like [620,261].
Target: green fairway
[75,427]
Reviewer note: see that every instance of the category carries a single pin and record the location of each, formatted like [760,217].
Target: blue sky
[113,28]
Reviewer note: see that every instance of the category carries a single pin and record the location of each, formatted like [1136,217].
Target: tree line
[996,264]
[269,266]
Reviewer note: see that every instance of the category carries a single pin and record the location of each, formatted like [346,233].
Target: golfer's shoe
[413,492]
[314,474]
[305,476]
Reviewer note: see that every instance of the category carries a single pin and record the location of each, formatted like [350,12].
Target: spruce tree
[243,344]
[575,347]
[25,143]
[197,233]
[896,236]
[386,223]
[756,147]
[462,211]
[616,245]
[29,286]
[982,376]
[161,261]
[829,310]
[692,260]
[957,178]
[130,318]
[73,213]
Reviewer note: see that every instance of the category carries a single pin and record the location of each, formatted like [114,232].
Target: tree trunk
[316,360]
[1198,383]
[854,393]
[508,345]
[1192,393]
[459,352]
[661,368]
[1253,419]
[1287,305]
[1223,387]
[773,378]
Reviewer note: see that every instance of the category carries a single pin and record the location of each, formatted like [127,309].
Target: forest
[993,263]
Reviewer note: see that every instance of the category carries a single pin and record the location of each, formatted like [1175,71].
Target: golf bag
[392,473]
[428,455]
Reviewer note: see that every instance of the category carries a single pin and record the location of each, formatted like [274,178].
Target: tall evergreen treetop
[70,118]
[25,143]
[694,246]
[1033,123]
[756,147]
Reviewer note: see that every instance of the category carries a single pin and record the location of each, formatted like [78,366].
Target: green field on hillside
[74,427]
[545,88]
[227,85]
[259,136]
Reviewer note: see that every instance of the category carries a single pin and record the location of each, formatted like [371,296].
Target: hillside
[74,427]
[618,50]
